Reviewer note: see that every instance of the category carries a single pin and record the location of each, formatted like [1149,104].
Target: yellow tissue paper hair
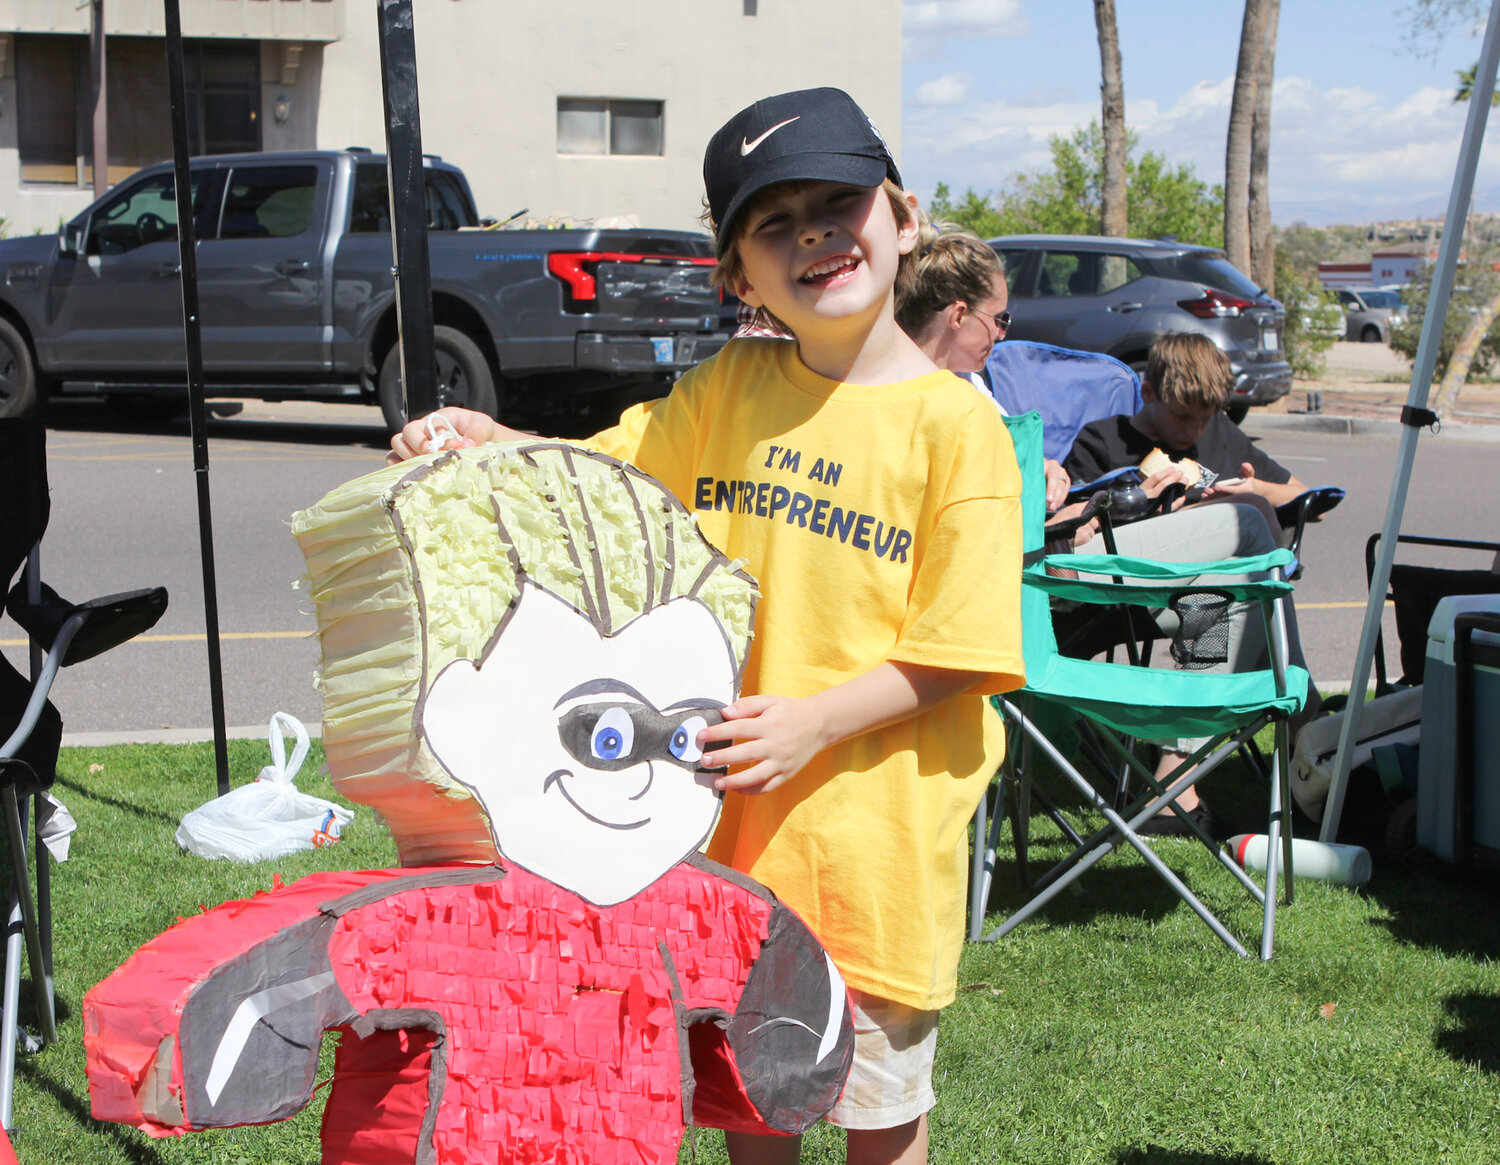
[416,565]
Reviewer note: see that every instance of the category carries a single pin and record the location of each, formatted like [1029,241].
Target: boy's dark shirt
[1114,443]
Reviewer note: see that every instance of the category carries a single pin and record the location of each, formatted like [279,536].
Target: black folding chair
[60,634]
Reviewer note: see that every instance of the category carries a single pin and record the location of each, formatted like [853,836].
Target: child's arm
[1277,493]
[472,428]
[776,736]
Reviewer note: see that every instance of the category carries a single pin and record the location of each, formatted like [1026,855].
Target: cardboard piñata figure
[520,645]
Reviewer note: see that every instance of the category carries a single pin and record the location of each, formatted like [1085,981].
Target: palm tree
[1114,198]
[1262,239]
[1247,75]
[1479,324]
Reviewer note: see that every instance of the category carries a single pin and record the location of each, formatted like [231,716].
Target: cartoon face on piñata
[560,694]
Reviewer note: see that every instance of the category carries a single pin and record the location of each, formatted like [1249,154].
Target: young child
[876,499]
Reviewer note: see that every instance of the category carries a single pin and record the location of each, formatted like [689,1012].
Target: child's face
[583,749]
[820,253]
[1174,426]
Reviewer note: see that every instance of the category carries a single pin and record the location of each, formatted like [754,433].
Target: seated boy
[1183,394]
[1182,422]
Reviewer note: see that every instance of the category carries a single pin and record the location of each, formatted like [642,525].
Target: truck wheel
[463,377]
[19,389]
[1237,412]
[1371,334]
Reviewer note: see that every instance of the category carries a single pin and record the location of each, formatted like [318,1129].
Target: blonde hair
[420,564]
[730,268]
[1187,370]
[952,264]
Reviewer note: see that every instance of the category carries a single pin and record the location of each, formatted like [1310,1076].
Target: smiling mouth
[556,778]
[829,270]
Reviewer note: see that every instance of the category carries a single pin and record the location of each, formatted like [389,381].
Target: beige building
[563,108]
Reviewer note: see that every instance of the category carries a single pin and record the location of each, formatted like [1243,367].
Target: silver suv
[1371,313]
[1118,295]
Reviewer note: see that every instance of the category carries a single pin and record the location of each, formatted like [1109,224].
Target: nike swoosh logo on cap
[748,148]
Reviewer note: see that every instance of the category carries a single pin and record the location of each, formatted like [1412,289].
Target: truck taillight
[577,268]
[1215,304]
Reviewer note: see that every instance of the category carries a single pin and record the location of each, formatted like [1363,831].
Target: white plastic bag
[267,818]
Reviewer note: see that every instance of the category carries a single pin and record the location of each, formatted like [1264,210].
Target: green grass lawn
[1114,1028]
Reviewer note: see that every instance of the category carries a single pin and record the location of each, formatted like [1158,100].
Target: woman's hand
[774,737]
[468,428]
[1058,485]
[1084,532]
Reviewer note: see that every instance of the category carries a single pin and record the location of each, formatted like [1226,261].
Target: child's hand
[775,737]
[1225,487]
[1162,478]
[469,428]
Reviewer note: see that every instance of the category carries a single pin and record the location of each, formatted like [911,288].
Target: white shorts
[890,1083]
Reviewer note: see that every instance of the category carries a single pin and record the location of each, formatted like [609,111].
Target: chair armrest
[1159,585]
[107,621]
[1304,508]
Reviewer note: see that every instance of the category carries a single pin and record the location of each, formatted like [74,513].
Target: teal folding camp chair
[1124,702]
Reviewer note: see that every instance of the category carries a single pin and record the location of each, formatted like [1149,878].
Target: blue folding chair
[1069,388]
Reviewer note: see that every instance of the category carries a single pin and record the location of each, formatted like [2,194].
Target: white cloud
[1338,154]
[926,24]
[949,89]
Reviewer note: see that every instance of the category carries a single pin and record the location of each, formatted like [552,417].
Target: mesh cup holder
[1202,639]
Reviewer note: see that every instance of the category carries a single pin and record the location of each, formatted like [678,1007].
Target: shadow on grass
[1156,1155]
[115,802]
[1442,911]
[1134,890]
[126,1141]
[1473,1032]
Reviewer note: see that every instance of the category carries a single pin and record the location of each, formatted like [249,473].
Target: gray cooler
[1458,785]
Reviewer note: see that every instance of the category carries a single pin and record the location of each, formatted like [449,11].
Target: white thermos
[1346,864]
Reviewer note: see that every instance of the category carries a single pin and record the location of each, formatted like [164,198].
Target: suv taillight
[577,268]
[1215,305]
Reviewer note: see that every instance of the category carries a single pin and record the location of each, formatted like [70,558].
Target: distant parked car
[1119,295]
[1370,313]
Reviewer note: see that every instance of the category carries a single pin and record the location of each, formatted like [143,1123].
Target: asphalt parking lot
[124,515]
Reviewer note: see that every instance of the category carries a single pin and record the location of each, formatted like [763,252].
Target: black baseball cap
[812,134]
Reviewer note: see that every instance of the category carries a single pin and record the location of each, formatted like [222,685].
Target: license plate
[663,349]
[1268,339]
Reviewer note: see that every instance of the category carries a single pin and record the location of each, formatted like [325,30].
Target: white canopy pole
[1415,416]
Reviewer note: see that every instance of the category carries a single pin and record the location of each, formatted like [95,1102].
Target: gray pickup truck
[557,327]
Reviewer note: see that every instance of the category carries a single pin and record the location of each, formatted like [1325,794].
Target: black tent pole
[403,141]
[187,239]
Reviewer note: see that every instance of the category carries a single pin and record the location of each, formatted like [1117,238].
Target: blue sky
[1362,126]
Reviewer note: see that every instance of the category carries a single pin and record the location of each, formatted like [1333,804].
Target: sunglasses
[1001,320]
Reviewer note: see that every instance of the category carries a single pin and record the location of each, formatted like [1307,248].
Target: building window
[590,125]
[55,114]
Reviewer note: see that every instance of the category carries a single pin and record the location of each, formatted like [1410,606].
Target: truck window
[269,202]
[145,212]
[448,205]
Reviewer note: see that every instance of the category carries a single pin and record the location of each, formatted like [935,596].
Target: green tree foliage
[1477,283]
[1066,199]
[1466,86]
[1313,319]
[1305,247]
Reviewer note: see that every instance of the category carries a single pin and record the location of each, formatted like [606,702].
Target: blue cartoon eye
[684,742]
[613,735]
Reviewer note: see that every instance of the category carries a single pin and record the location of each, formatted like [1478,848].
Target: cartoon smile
[559,777]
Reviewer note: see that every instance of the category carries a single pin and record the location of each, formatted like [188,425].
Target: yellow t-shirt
[883,523]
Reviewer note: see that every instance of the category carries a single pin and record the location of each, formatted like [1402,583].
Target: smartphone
[1221,481]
